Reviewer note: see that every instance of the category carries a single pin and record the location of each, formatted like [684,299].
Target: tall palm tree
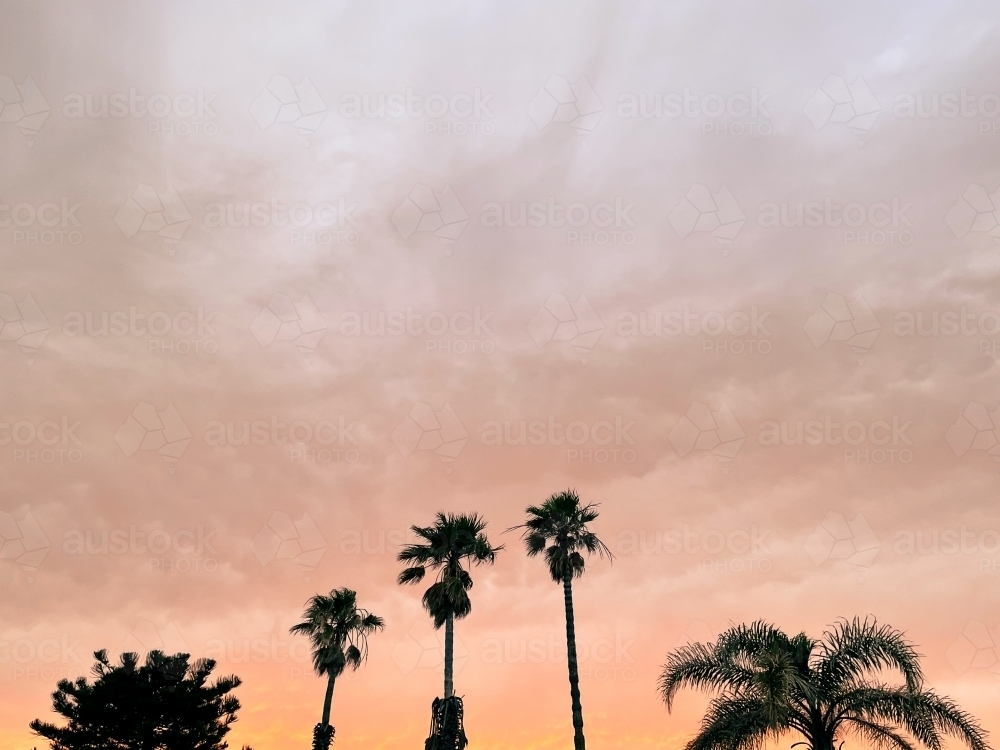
[454,539]
[558,527]
[338,629]
[767,684]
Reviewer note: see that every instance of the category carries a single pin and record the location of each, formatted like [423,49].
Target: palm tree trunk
[328,701]
[574,671]
[449,656]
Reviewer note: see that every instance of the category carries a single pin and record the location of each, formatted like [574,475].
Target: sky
[280,281]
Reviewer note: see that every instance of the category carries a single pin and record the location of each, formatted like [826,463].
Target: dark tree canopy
[767,683]
[165,703]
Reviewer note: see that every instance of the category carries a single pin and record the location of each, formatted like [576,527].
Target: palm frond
[697,665]
[878,735]
[735,723]
[852,648]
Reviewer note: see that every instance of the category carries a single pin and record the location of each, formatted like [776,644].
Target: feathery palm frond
[767,683]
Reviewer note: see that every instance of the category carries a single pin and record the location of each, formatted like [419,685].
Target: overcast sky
[280,281]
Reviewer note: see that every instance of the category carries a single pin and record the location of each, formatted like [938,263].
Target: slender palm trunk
[328,701]
[449,656]
[574,671]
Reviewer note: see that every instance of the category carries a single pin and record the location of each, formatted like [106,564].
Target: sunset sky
[281,280]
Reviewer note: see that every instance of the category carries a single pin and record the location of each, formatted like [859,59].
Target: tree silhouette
[338,630]
[767,684]
[165,703]
[558,528]
[452,540]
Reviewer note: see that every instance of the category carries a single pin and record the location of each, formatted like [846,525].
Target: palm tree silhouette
[558,527]
[768,684]
[452,540]
[338,630]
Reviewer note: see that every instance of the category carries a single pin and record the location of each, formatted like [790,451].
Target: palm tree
[338,630]
[452,540]
[767,684]
[558,527]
